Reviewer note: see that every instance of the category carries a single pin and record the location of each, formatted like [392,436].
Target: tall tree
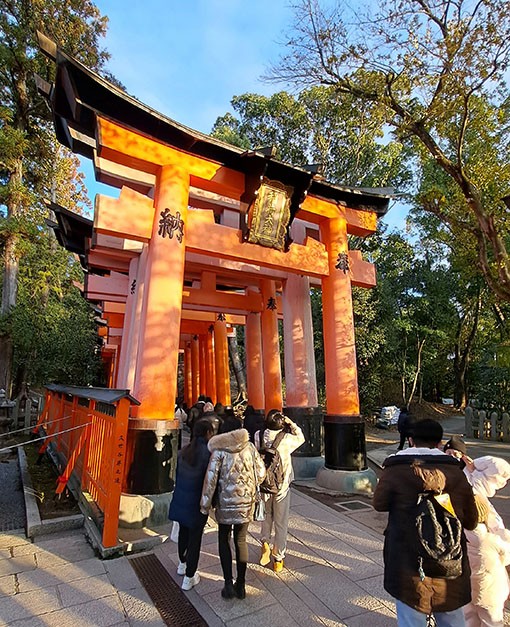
[318,126]
[26,146]
[427,65]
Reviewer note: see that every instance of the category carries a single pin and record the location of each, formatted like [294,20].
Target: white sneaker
[181,569]
[189,582]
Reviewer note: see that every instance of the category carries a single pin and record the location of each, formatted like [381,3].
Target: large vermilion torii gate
[204,237]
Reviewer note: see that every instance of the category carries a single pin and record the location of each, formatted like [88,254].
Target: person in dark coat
[211,415]
[192,464]
[405,426]
[253,421]
[195,413]
[421,468]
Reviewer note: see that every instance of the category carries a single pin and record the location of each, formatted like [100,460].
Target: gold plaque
[270,214]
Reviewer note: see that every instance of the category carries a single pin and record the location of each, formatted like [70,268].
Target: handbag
[260,509]
[174,535]
[259,513]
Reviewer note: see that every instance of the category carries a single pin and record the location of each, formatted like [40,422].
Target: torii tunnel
[202,238]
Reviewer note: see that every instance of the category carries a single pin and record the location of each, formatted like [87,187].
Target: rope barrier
[51,435]
[46,422]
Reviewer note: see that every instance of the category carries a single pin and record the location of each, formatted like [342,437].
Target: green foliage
[55,336]
[35,170]
[435,72]
[319,126]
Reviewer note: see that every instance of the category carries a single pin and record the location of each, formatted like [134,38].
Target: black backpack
[275,475]
[438,539]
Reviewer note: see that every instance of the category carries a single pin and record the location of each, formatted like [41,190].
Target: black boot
[240,589]
[228,591]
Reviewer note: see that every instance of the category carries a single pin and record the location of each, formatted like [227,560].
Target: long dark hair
[200,430]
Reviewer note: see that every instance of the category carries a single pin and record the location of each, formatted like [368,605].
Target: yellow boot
[265,554]
[278,566]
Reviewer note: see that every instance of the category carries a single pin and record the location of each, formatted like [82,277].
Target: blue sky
[188,58]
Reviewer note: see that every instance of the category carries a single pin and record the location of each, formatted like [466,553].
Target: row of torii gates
[202,238]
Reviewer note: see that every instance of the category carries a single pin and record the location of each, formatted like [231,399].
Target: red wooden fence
[88,427]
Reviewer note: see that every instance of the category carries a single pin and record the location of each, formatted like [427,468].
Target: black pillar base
[310,420]
[344,440]
[152,471]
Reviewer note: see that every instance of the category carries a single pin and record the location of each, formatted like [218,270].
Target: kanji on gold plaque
[270,214]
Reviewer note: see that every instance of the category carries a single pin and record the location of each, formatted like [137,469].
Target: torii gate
[203,237]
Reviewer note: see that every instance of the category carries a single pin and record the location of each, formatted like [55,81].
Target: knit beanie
[457,444]
[482,507]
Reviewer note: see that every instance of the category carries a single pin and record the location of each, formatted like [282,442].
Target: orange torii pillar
[137,320]
[210,365]
[155,430]
[126,347]
[254,369]
[221,361]
[195,369]
[300,379]
[271,347]
[202,364]
[344,429]
[188,375]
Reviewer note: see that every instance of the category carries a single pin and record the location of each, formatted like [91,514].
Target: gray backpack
[274,466]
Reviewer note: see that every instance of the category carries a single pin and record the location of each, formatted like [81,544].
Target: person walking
[486,475]
[230,488]
[405,426]
[180,415]
[489,554]
[196,411]
[423,469]
[284,435]
[192,463]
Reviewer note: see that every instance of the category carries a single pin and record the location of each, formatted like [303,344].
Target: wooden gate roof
[80,94]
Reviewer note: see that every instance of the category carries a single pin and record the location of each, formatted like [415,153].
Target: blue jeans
[409,617]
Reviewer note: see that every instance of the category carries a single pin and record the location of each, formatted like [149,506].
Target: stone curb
[35,525]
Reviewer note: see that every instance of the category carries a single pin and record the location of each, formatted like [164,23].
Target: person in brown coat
[413,471]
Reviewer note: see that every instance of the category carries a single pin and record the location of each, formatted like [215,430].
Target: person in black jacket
[185,506]
[405,426]
[416,470]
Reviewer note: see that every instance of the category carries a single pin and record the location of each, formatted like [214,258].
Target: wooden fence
[487,424]
[88,428]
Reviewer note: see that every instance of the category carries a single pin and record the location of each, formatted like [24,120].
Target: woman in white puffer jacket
[486,475]
[489,554]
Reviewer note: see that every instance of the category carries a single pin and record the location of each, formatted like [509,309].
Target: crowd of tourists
[446,549]
[238,474]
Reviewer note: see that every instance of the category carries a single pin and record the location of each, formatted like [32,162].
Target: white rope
[46,422]
[51,435]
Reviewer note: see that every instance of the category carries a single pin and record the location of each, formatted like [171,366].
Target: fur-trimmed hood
[235,469]
[232,442]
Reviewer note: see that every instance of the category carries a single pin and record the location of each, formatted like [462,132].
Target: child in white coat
[489,553]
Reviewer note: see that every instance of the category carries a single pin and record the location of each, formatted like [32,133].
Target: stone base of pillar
[310,420]
[307,467]
[344,441]
[137,510]
[361,482]
[152,465]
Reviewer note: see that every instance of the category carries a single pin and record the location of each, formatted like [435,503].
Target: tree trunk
[416,374]
[237,367]
[10,282]
[462,355]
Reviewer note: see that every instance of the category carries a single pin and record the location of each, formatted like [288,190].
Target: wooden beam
[129,148]
[130,216]
[224,242]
